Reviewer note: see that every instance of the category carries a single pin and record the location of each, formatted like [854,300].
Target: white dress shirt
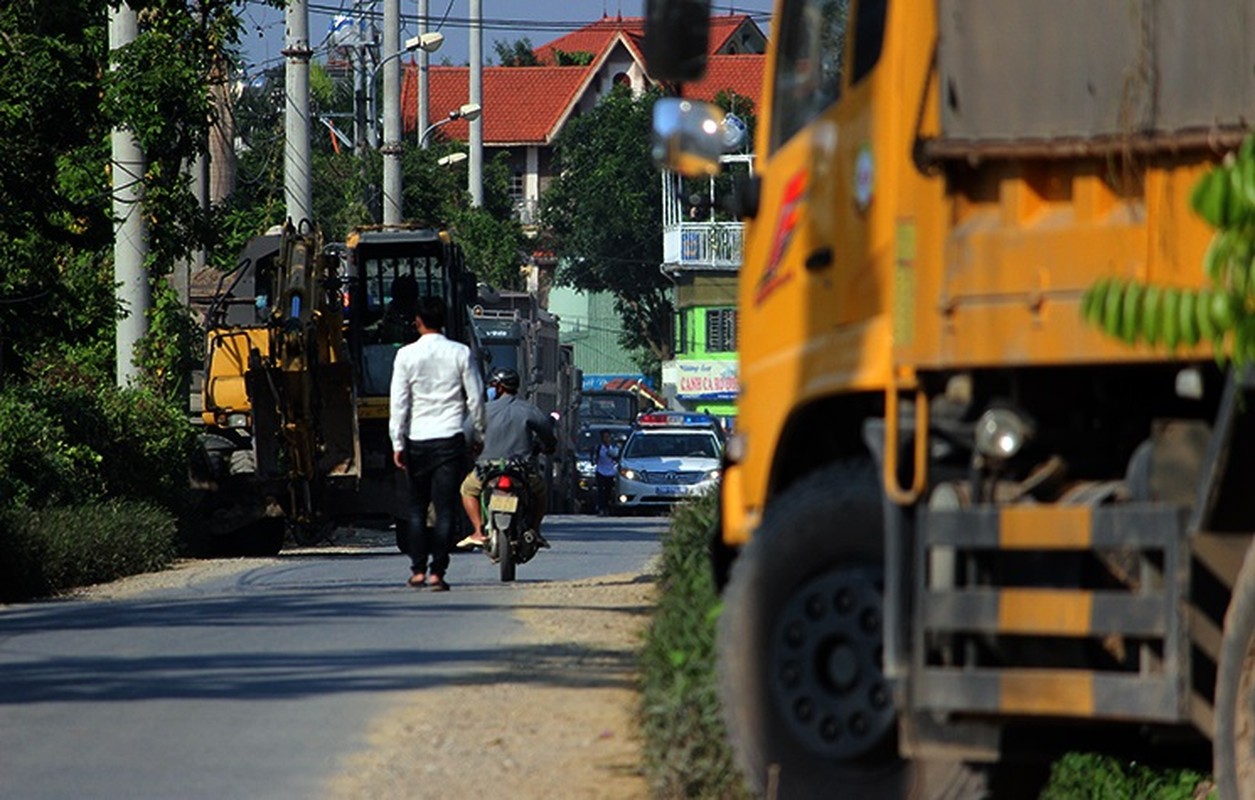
[434,391]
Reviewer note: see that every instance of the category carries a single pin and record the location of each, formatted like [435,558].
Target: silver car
[663,465]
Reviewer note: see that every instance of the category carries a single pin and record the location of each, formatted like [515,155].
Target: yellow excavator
[300,338]
[278,400]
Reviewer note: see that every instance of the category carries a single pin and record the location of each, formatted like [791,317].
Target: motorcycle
[505,503]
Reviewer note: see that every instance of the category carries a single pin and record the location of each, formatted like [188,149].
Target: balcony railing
[703,245]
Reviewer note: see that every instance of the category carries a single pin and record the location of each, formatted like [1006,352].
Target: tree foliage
[61,94]
[604,213]
[519,54]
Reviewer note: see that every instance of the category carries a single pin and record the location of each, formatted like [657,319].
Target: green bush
[1090,776]
[40,464]
[46,551]
[68,437]
[685,749]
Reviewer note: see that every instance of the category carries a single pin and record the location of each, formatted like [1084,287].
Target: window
[518,186]
[682,331]
[808,64]
[869,37]
[721,330]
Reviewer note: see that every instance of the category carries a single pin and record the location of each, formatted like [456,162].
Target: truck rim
[826,662]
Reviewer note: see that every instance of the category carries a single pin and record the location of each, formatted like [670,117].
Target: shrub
[40,464]
[46,551]
[92,440]
[685,749]
[1092,776]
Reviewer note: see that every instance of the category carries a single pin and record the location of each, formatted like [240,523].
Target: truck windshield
[808,64]
[503,354]
[607,407]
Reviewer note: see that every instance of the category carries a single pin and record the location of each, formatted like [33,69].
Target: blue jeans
[435,468]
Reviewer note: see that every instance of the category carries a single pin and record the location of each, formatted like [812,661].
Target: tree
[519,54]
[603,211]
[59,99]
[574,58]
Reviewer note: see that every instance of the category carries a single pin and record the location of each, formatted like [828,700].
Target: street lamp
[452,158]
[427,42]
[468,112]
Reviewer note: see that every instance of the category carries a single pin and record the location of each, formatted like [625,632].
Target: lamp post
[426,43]
[392,143]
[468,112]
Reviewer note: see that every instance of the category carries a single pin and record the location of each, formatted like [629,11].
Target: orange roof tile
[742,74]
[594,37]
[522,105]
[527,105]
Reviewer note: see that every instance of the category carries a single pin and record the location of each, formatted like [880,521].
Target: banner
[706,380]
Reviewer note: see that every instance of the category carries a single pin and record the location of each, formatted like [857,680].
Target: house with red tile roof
[525,108]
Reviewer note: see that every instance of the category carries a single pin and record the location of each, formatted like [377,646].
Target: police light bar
[675,419]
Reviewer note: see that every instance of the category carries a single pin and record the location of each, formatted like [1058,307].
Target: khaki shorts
[472,486]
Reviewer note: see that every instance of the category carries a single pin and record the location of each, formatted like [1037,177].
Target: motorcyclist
[515,428]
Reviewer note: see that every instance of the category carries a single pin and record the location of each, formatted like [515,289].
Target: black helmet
[505,377]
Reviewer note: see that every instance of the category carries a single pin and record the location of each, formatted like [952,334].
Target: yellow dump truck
[968,530]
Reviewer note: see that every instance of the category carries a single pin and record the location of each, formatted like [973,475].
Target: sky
[540,21]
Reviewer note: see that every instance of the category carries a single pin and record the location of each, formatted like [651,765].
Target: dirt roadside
[572,735]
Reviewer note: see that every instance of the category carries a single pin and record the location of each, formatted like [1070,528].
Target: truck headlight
[1001,433]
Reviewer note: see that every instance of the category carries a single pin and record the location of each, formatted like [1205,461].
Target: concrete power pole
[424,58]
[392,145]
[296,150]
[475,173]
[130,234]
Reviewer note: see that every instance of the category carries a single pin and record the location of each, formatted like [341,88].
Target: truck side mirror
[676,37]
[687,136]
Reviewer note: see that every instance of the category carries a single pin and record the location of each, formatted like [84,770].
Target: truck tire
[805,701]
[1233,745]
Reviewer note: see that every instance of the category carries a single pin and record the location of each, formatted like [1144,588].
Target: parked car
[668,459]
[586,440]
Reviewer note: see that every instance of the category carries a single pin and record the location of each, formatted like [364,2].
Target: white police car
[669,456]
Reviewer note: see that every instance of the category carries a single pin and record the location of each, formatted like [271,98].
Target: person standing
[606,457]
[435,389]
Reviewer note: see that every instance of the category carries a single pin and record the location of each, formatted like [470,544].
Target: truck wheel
[1233,745]
[806,703]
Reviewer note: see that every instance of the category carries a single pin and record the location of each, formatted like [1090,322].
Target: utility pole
[296,149]
[475,171]
[130,234]
[424,58]
[222,163]
[392,146]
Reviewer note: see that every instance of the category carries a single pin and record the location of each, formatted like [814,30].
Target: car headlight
[713,475]
[628,473]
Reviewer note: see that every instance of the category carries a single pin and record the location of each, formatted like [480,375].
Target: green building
[702,255]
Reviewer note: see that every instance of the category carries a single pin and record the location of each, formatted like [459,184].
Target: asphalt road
[256,683]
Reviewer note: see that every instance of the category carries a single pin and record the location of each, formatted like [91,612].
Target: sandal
[417,581]
[437,583]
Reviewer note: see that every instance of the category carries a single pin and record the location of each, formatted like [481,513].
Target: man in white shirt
[435,388]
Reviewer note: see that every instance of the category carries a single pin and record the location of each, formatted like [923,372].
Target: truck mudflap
[1052,611]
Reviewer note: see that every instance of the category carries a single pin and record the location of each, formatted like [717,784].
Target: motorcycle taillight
[504,482]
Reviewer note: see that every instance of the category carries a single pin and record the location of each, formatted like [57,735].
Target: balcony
[694,237]
[702,245]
